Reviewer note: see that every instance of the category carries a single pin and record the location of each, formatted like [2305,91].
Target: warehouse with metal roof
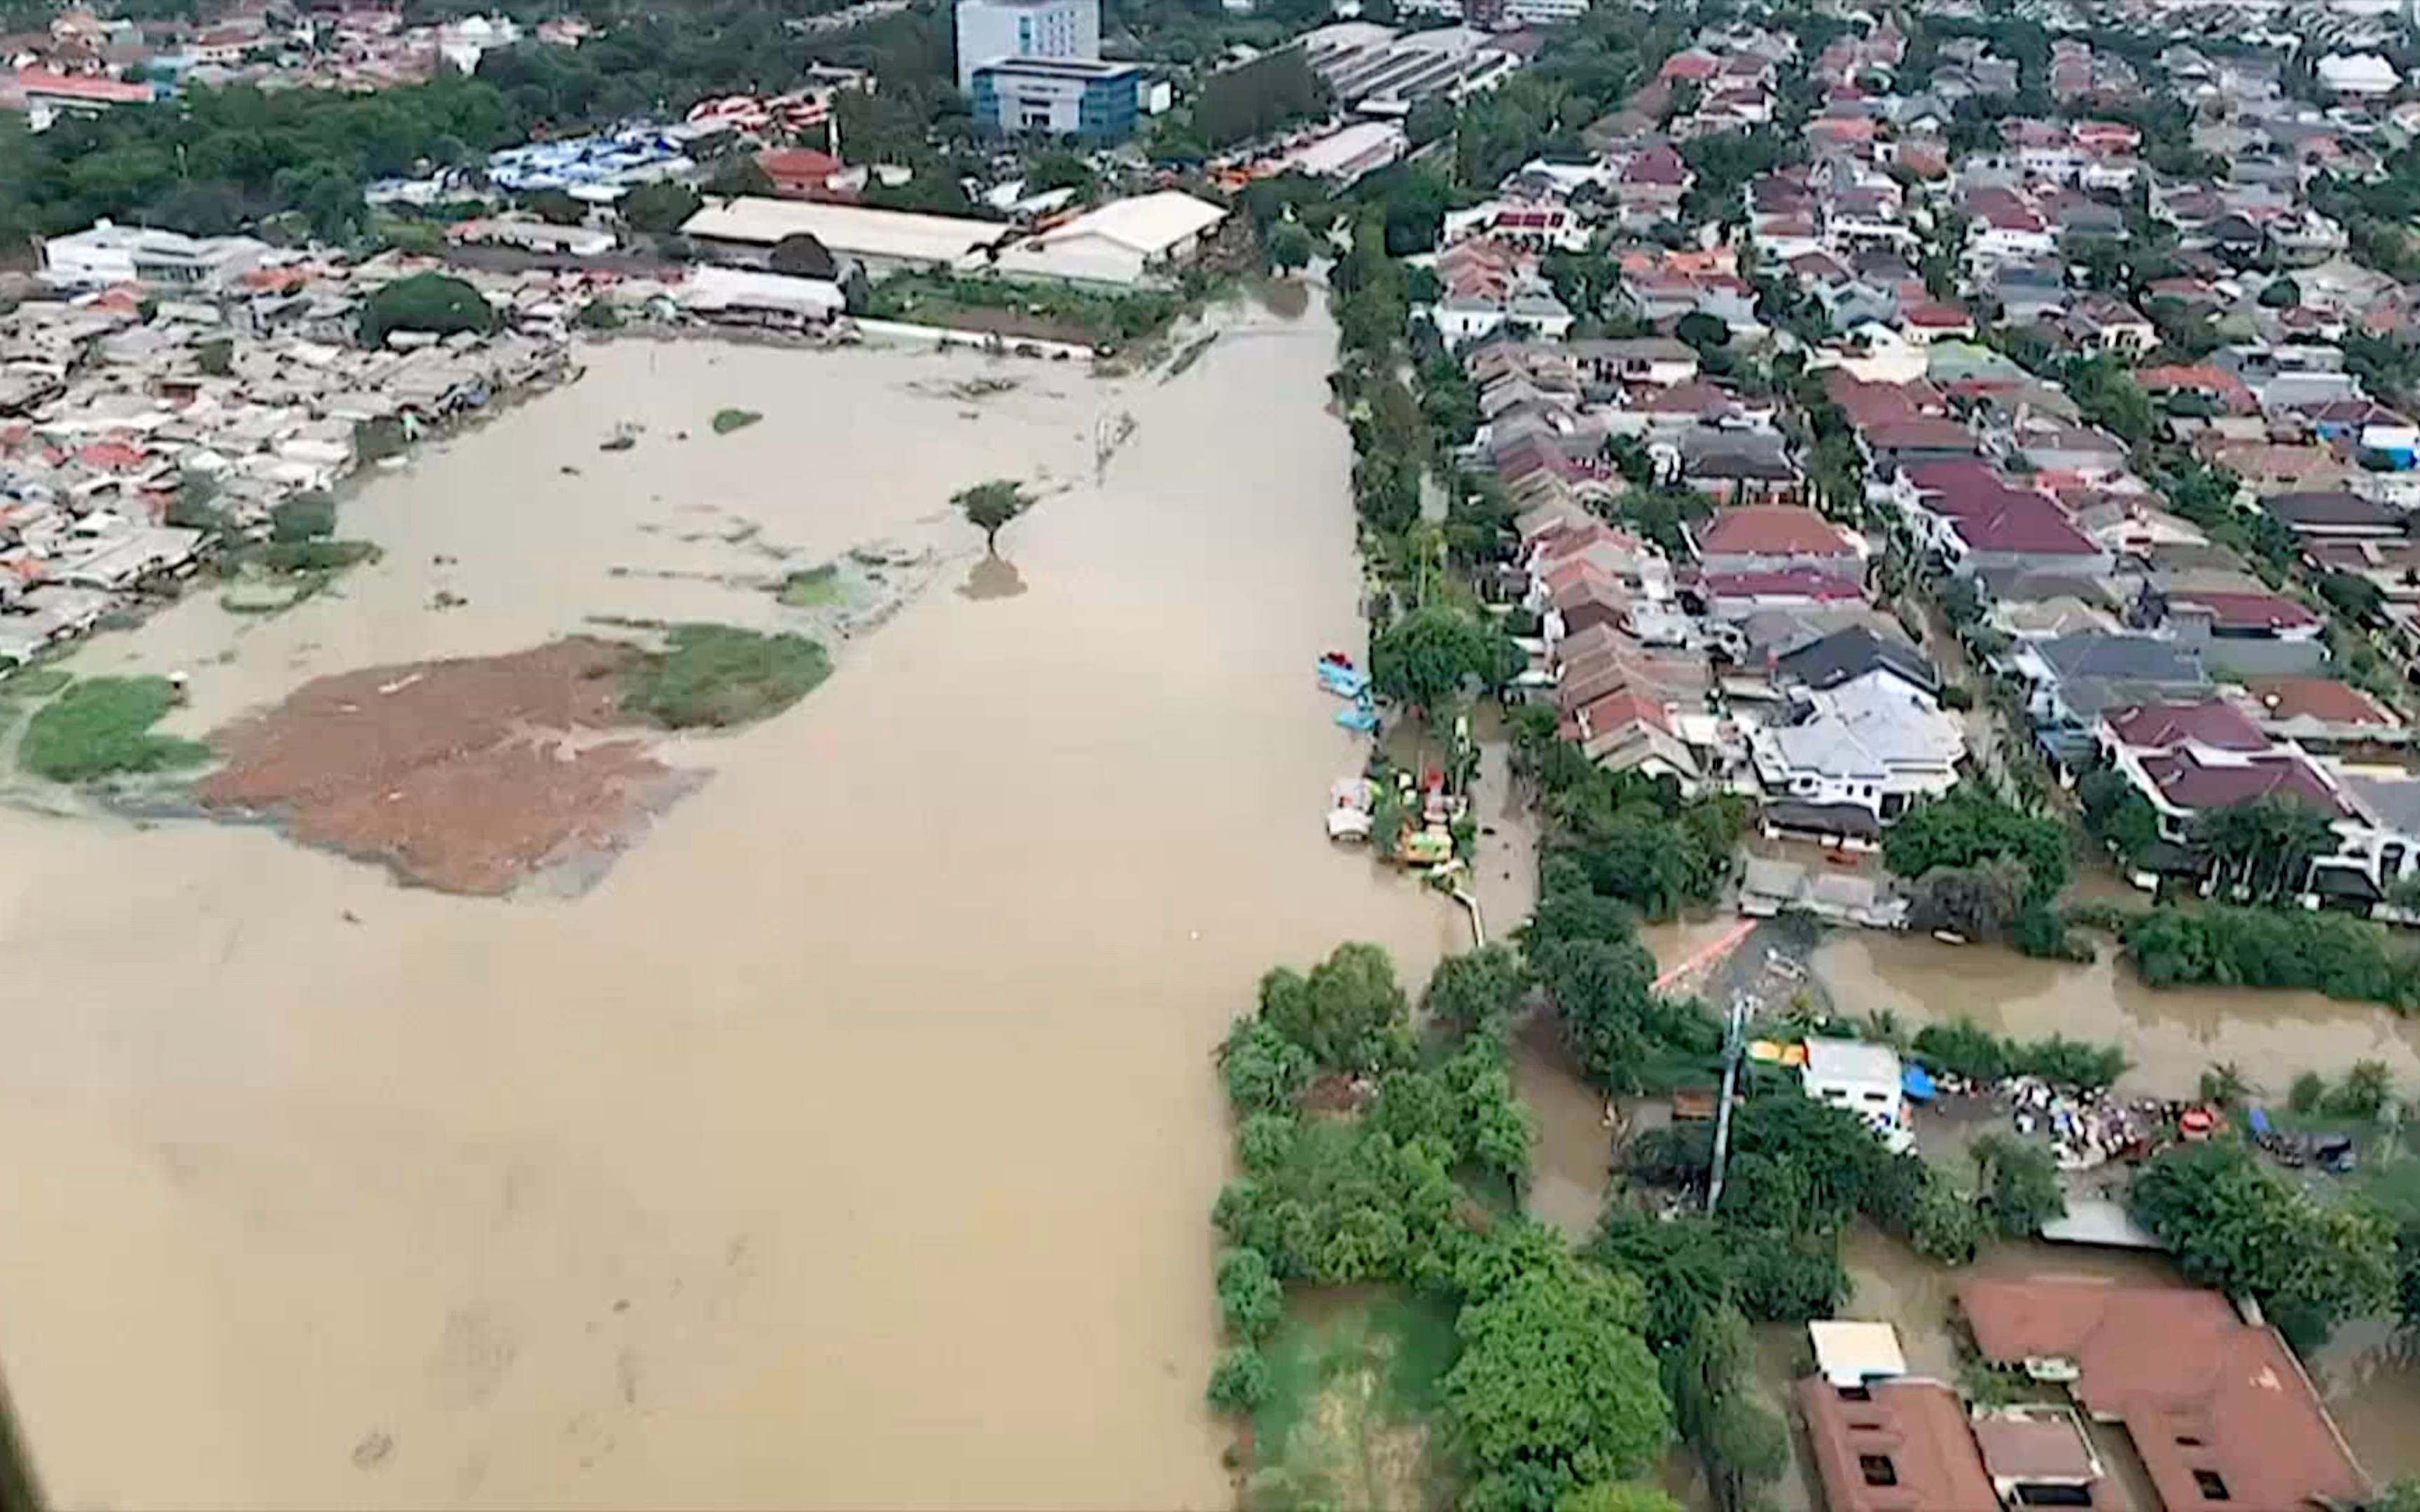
[883,240]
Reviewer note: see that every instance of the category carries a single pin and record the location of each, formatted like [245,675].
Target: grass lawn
[1354,1379]
[811,587]
[716,676]
[1048,312]
[33,683]
[101,727]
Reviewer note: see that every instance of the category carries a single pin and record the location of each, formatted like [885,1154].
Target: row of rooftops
[2210,1403]
[110,401]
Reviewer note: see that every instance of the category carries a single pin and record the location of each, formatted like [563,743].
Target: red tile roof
[1773,530]
[1918,1428]
[1615,710]
[1933,316]
[2197,1388]
[2189,782]
[786,166]
[2319,697]
[81,87]
[2160,726]
[2025,523]
[1921,433]
[112,457]
[1656,166]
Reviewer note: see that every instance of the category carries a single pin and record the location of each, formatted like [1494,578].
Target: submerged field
[849,1143]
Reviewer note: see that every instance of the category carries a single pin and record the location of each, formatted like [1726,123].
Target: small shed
[1849,1353]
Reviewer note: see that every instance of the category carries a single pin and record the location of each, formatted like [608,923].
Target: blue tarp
[1916,1083]
[2259,1119]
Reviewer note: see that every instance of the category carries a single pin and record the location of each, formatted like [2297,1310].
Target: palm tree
[2224,1085]
[2263,847]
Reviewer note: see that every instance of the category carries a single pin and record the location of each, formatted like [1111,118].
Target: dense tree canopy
[1254,98]
[1555,1389]
[2233,1223]
[1968,826]
[432,303]
[1427,658]
[2330,953]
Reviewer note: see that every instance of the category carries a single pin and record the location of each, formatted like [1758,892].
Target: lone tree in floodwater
[990,507]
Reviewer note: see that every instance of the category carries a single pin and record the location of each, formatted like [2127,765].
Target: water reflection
[992,577]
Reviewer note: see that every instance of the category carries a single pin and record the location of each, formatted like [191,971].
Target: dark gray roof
[1845,656]
[1847,820]
[2132,658]
[2327,507]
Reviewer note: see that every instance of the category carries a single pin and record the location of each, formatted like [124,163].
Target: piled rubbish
[1352,805]
[2086,1130]
[2332,1152]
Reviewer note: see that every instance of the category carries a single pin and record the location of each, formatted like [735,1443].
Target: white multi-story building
[106,253]
[992,30]
[1863,1079]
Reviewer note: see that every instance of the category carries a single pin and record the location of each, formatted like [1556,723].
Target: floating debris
[727,421]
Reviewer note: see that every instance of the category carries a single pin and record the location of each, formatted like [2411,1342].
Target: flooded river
[851,1143]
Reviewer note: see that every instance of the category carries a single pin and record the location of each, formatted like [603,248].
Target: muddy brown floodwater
[850,1144]
[2171,1036]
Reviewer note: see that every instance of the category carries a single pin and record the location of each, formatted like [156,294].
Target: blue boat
[1345,682]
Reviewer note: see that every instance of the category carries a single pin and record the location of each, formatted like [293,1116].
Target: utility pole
[1734,1042]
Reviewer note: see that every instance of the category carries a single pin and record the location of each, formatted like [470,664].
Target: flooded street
[2369,1373]
[2171,1036]
[851,1143]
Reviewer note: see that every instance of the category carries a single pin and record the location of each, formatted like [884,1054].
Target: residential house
[1736,467]
[2100,322]
[1865,1078]
[1894,1446]
[1659,360]
[1977,520]
[2244,633]
[1776,539]
[1622,731]
[1873,742]
[2218,1408]
[2317,711]
[1854,655]
[2333,514]
[2074,678]
[1652,186]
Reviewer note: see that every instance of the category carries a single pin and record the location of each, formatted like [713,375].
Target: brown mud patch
[470,776]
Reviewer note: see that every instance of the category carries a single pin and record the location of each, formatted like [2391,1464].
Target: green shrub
[291,557]
[434,302]
[1240,1381]
[717,675]
[2333,953]
[101,727]
[727,421]
[306,516]
[1251,1301]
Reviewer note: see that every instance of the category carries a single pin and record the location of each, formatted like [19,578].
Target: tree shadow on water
[992,577]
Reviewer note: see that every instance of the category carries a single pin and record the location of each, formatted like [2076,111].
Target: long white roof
[1148,224]
[845,229]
